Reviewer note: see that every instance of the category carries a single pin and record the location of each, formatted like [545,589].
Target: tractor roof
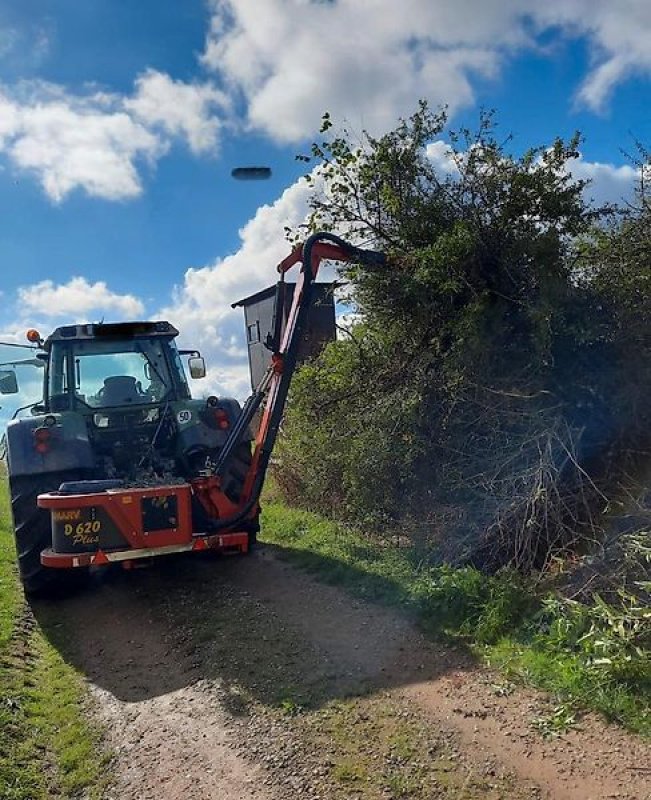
[111,330]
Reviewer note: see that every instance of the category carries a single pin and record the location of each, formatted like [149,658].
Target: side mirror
[8,382]
[197,367]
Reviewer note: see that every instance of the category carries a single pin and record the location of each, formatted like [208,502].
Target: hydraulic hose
[352,253]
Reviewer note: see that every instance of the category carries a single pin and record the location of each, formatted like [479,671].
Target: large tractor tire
[33,533]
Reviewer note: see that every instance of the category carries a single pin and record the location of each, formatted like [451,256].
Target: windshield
[111,373]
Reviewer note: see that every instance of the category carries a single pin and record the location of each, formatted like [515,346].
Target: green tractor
[119,463]
[116,408]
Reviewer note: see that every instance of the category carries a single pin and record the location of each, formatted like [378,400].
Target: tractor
[118,463]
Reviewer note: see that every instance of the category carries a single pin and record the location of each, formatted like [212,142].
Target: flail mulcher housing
[99,522]
[94,440]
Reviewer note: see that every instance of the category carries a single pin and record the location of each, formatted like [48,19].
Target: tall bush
[490,404]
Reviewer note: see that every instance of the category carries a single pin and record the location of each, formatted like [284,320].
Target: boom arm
[275,384]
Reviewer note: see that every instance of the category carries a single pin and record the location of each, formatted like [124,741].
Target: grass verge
[48,747]
[591,657]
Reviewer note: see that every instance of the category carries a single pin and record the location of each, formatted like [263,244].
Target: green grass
[48,747]
[589,657]
[10,596]
[374,750]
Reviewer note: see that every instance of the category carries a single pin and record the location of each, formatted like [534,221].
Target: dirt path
[246,679]
[164,725]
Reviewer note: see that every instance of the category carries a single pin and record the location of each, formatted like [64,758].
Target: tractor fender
[67,444]
[234,409]
[197,427]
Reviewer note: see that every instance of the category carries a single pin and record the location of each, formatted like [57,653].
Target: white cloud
[73,142]
[368,62]
[346,321]
[25,48]
[181,109]
[608,183]
[9,119]
[201,306]
[289,61]
[619,34]
[99,141]
[231,381]
[69,148]
[442,157]
[77,299]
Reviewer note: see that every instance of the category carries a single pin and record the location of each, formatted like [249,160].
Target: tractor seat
[119,390]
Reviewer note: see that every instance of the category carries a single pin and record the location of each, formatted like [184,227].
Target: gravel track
[246,679]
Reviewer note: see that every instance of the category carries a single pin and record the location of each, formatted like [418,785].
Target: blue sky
[120,122]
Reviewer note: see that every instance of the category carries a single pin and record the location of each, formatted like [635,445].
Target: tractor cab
[116,404]
[91,368]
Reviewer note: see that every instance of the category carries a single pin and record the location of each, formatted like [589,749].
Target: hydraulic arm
[274,386]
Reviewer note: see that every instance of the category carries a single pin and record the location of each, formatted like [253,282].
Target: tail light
[221,418]
[42,440]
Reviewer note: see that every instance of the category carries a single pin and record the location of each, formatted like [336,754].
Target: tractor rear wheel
[33,532]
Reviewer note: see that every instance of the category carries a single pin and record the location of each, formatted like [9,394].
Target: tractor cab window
[57,373]
[108,374]
[177,365]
